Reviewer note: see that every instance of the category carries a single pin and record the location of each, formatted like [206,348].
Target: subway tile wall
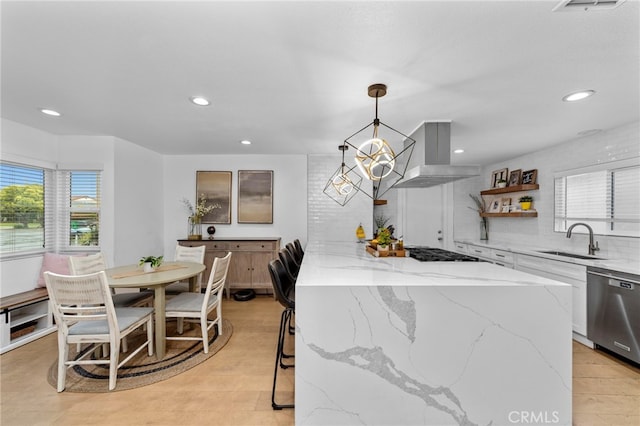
[327,220]
[616,144]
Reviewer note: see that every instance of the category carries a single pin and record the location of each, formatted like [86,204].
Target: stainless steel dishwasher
[613,311]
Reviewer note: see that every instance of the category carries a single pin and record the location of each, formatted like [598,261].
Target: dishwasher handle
[613,277]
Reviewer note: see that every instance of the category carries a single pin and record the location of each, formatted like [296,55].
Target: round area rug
[143,369]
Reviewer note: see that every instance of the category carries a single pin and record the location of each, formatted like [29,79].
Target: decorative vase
[502,184]
[484,230]
[383,248]
[195,228]
[525,205]
[146,267]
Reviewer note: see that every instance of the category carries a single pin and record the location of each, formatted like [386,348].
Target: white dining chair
[84,313]
[82,265]
[195,307]
[187,254]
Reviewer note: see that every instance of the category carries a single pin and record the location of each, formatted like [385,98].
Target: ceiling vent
[586,5]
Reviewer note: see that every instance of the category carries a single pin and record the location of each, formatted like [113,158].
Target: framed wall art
[216,188]
[495,205]
[255,196]
[529,177]
[497,175]
[514,177]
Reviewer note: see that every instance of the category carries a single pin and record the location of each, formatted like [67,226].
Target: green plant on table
[153,260]
[384,238]
[525,199]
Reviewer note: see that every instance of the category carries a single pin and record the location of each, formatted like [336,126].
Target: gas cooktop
[428,254]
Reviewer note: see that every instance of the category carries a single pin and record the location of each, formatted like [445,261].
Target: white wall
[289,195]
[616,144]
[138,203]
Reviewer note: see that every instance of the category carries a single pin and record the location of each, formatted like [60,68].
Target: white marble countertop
[347,263]
[613,264]
[396,341]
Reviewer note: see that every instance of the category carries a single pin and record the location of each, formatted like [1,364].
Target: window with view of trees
[21,208]
[54,210]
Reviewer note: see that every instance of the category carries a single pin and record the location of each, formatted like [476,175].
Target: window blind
[605,197]
[22,209]
[46,209]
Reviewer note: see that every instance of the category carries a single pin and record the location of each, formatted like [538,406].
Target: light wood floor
[234,386]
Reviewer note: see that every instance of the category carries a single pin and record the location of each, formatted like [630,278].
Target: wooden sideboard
[249,262]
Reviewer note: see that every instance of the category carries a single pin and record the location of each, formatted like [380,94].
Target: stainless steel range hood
[430,162]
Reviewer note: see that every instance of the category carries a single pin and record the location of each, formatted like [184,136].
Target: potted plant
[196,214]
[525,202]
[381,221]
[384,239]
[501,183]
[150,263]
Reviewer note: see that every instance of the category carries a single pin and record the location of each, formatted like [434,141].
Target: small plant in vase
[384,239]
[150,263]
[501,183]
[481,208]
[525,202]
[196,213]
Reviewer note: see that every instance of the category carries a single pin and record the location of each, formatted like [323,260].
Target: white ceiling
[293,76]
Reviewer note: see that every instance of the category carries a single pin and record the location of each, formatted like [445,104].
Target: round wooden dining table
[132,276]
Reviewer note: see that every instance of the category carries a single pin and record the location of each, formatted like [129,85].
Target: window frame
[57,207]
[561,222]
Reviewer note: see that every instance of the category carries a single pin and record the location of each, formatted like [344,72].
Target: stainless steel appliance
[613,311]
[429,254]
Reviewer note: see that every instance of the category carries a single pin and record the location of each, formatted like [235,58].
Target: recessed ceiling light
[199,100]
[245,142]
[458,151]
[50,112]
[577,96]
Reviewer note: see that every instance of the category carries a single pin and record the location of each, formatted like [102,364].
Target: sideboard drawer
[252,246]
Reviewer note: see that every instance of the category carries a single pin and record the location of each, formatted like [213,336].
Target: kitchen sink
[565,254]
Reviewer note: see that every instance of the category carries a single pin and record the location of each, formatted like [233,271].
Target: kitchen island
[395,341]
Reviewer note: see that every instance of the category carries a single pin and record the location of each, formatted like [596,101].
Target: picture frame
[529,177]
[255,196]
[505,204]
[497,175]
[494,207]
[515,177]
[216,188]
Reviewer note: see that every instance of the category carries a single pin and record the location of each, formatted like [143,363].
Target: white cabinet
[495,256]
[483,253]
[25,317]
[502,258]
[461,247]
[569,273]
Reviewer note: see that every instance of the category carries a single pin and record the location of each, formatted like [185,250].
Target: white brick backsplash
[327,220]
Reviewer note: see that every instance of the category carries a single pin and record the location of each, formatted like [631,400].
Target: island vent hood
[430,164]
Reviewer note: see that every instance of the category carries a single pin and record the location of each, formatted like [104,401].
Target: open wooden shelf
[531,213]
[515,188]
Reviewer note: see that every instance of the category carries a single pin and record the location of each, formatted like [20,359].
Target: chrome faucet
[592,248]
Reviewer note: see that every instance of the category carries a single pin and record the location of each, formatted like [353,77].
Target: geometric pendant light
[345,182]
[382,160]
